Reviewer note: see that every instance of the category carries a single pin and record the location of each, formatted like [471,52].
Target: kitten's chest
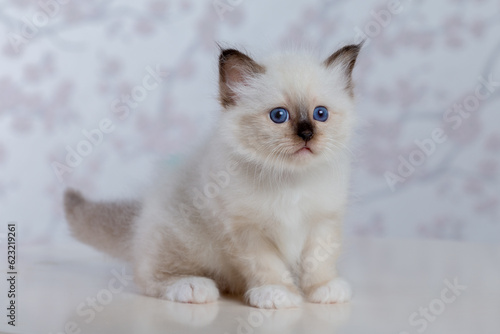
[286,214]
[293,206]
[290,226]
[289,215]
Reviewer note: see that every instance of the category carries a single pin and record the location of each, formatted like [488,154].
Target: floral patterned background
[144,73]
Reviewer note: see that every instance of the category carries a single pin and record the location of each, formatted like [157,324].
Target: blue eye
[320,114]
[279,115]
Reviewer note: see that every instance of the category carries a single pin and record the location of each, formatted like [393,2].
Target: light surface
[392,279]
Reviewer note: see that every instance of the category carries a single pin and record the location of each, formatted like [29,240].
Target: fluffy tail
[107,226]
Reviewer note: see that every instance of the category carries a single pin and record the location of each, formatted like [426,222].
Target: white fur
[336,291]
[197,290]
[260,222]
[277,203]
[273,296]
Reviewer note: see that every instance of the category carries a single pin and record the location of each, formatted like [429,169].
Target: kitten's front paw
[198,290]
[335,291]
[273,296]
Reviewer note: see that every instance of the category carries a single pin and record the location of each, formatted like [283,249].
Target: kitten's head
[289,111]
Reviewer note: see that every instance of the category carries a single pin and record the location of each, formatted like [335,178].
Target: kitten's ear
[346,59]
[234,69]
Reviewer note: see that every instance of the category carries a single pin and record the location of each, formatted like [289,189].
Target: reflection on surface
[391,281]
[141,314]
[334,314]
[132,313]
[197,315]
[246,319]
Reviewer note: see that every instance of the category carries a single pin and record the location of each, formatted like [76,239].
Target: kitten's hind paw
[196,290]
[335,291]
[273,296]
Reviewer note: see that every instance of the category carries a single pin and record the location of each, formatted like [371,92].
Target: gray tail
[107,226]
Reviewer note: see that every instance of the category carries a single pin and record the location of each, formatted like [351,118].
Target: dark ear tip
[355,48]
[346,55]
[226,53]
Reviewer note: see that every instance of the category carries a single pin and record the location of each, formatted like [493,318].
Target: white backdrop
[70,66]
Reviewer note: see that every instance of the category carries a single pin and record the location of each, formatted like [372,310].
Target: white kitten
[258,209]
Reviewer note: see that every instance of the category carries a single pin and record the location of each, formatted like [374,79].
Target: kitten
[258,209]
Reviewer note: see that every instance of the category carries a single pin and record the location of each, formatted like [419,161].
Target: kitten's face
[290,111]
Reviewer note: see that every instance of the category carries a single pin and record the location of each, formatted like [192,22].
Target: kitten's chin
[303,156]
